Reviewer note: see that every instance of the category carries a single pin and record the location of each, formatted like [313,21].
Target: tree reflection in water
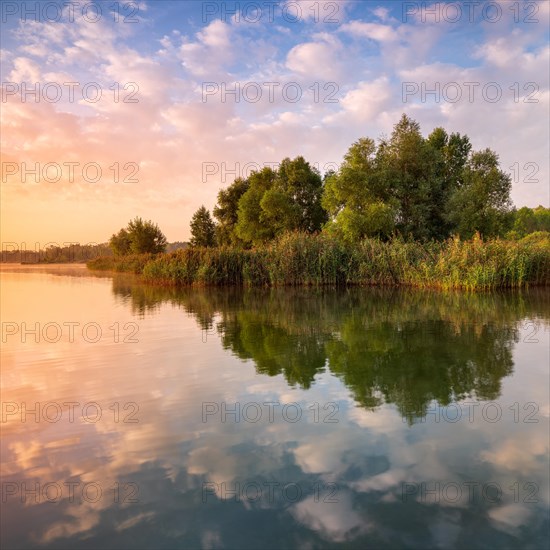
[404,347]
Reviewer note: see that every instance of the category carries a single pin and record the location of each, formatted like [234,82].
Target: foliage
[529,220]
[423,188]
[139,237]
[354,199]
[226,212]
[203,230]
[482,202]
[130,263]
[297,259]
[275,201]
[120,243]
[251,227]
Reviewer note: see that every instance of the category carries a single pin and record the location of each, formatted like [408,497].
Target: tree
[528,220]
[145,237]
[251,226]
[482,204]
[425,188]
[358,205]
[226,212]
[542,218]
[376,219]
[353,185]
[390,186]
[276,201]
[449,157]
[406,169]
[120,243]
[302,186]
[203,230]
[139,237]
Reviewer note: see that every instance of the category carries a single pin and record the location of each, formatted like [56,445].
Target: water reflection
[388,346]
[388,360]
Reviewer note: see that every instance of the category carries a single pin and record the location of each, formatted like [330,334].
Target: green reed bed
[299,259]
[478,265]
[132,263]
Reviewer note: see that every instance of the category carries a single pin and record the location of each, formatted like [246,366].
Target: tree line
[404,185]
[419,188]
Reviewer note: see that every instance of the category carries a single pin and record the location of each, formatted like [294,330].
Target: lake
[136,416]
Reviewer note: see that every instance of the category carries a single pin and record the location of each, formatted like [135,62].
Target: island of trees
[403,210]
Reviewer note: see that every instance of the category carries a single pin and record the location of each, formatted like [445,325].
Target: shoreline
[302,260]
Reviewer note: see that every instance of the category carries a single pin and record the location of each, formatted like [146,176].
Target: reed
[300,259]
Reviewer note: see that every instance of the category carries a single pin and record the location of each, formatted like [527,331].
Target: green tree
[449,158]
[375,219]
[528,220]
[203,230]
[542,217]
[226,212]
[406,170]
[120,243]
[276,201]
[425,188]
[279,212]
[482,204]
[351,186]
[252,226]
[358,204]
[145,237]
[302,187]
[139,237]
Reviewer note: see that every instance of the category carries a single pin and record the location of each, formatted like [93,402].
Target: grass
[299,259]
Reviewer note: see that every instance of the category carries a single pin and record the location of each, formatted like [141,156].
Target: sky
[112,110]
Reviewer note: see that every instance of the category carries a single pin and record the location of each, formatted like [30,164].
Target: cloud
[373,31]
[367,100]
[510,518]
[318,59]
[336,522]
[171,132]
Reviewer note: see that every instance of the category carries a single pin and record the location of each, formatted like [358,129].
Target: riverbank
[299,259]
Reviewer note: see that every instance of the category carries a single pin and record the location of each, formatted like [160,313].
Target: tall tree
[302,186]
[251,226]
[357,203]
[226,212]
[203,230]
[449,158]
[483,201]
[407,170]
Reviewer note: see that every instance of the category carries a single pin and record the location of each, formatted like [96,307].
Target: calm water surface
[232,419]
